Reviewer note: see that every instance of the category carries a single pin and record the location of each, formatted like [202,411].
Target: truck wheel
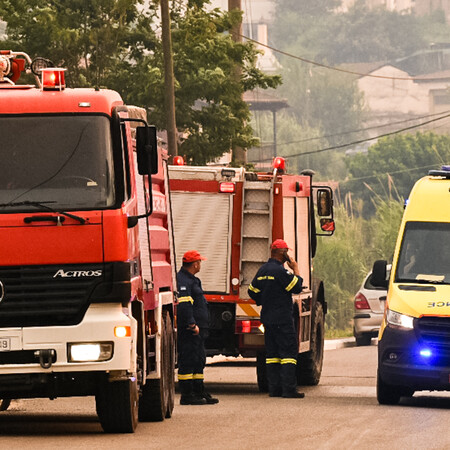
[4,404]
[387,394]
[158,395]
[117,405]
[363,339]
[261,372]
[309,364]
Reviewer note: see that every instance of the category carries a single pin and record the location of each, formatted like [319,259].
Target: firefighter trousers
[281,358]
[191,362]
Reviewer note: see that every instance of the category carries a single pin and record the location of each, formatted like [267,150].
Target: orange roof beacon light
[53,79]
[279,164]
[178,161]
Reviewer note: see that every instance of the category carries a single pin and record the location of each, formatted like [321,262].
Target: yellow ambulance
[414,338]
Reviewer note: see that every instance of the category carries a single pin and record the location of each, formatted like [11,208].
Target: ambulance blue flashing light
[425,353]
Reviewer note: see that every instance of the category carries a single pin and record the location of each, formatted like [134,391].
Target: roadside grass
[336,334]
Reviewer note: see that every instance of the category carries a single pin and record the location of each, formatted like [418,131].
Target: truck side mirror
[324,202]
[147,150]
[379,274]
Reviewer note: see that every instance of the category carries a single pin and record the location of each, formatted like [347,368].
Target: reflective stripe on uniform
[186,299]
[288,361]
[186,376]
[292,283]
[255,290]
[266,278]
[198,376]
[273,360]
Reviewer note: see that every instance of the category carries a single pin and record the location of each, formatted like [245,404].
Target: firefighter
[272,288]
[193,322]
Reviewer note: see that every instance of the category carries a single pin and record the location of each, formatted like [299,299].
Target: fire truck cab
[86,273]
[231,216]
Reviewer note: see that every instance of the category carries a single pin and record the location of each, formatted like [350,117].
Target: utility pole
[169,79]
[239,154]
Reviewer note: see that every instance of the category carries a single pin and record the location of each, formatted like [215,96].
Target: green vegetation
[344,260]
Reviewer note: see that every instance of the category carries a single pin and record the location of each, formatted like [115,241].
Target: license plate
[5,344]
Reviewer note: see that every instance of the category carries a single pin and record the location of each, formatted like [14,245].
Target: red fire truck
[86,273]
[231,216]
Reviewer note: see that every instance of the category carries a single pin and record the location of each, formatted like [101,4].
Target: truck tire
[261,372]
[117,405]
[309,364]
[387,394]
[157,400]
[4,404]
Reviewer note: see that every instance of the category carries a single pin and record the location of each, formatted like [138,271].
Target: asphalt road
[340,413]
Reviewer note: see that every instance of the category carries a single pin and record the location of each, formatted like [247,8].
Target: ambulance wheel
[261,372]
[387,394]
[158,395]
[4,404]
[117,405]
[309,364]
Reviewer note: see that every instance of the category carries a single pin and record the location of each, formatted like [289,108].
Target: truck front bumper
[44,350]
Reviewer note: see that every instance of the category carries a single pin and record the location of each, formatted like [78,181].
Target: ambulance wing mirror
[379,274]
[147,150]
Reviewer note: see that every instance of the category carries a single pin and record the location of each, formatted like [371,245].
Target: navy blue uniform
[192,310]
[272,289]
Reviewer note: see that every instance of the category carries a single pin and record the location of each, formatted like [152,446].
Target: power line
[337,69]
[388,173]
[362,129]
[337,147]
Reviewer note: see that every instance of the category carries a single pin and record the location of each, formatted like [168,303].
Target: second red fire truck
[231,216]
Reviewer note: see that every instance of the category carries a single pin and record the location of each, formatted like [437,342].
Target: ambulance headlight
[398,320]
[89,351]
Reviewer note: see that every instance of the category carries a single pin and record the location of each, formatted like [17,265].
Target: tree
[115,44]
[87,37]
[392,166]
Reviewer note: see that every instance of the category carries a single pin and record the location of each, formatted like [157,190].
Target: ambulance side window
[126,162]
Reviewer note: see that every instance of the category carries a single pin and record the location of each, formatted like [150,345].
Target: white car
[369,306]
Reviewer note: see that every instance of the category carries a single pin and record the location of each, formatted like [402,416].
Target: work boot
[199,391]
[210,400]
[276,393]
[192,399]
[294,394]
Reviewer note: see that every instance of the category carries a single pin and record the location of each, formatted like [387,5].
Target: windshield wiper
[43,205]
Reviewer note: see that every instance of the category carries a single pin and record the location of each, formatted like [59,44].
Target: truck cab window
[67,160]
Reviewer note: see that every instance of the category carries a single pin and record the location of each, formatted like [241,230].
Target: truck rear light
[361,301]
[227,187]
[244,326]
[89,351]
[53,79]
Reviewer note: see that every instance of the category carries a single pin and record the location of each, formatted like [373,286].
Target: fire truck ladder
[256,230]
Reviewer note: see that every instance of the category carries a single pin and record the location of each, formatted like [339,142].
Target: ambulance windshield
[425,253]
[65,159]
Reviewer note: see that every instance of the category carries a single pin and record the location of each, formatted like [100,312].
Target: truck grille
[33,296]
[435,331]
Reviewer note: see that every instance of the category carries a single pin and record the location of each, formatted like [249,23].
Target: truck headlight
[89,351]
[399,320]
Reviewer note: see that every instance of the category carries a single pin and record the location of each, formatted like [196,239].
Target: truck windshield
[65,160]
[425,253]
